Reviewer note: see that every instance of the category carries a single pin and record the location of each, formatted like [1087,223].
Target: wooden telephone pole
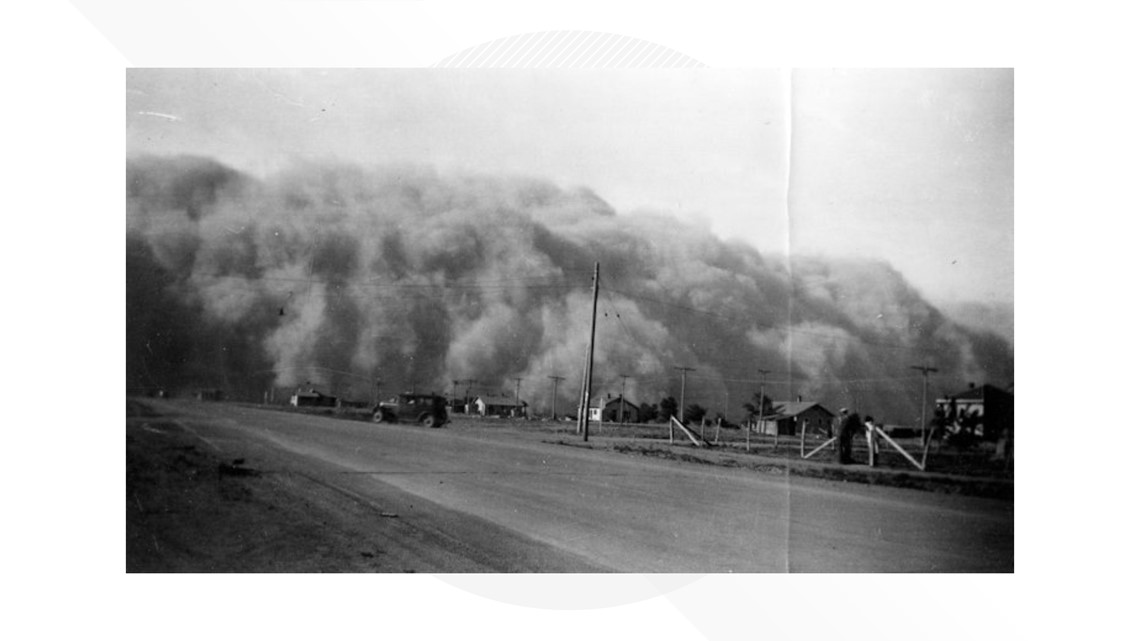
[585,419]
[468,382]
[554,396]
[622,399]
[681,408]
[517,381]
[760,420]
[925,375]
[582,409]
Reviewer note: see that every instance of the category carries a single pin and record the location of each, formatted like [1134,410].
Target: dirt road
[275,491]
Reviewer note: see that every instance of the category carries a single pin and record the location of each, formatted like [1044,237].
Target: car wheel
[428,420]
[378,417]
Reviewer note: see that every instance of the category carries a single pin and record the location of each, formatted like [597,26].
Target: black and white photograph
[569,320]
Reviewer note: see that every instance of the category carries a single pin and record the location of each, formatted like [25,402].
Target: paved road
[507,493]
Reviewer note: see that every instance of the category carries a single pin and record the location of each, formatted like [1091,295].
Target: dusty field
[189,511]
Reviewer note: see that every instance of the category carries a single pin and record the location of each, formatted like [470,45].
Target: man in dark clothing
[849,426]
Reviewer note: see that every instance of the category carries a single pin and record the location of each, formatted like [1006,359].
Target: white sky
[915,167]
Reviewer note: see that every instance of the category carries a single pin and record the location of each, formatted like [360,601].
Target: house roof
[977,393]
[791,409]
[499,400]
[600,402]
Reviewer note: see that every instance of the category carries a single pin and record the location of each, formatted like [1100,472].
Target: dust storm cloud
[338,275]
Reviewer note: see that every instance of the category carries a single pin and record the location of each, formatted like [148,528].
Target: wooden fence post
[926,448]
[920,466]
[821,446]
[870,445]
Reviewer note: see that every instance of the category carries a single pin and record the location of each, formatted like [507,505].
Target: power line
[613,308]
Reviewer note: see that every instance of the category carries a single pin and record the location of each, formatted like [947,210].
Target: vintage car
[426,409]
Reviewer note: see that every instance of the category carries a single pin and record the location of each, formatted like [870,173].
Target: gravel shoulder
[189,509]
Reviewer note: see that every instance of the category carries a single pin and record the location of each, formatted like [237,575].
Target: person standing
[872,442]
[848,427]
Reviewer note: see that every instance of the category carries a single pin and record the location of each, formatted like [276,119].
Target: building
[500,406]
[987,411]
[610,410]
[311,398]
[789,418]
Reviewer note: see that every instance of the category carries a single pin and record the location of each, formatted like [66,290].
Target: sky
[914,167]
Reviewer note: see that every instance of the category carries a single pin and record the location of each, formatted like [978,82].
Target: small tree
[966,436]
[759,407]
[667,408]
[648,412]
[694,413]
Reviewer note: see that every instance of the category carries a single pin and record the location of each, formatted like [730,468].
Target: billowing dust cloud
[339,276]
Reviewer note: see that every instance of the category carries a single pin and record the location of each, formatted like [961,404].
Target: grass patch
[989,488]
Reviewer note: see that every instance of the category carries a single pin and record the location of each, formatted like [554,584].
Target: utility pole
[467,392]
[554,396]
[684,370]
[763,373]
[582,409]
[590,354]
[622,398]
[925,374]
[517,381]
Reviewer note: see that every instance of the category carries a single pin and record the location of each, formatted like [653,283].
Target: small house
[500,406]
[985,410]
[612,408]
[790,418]
[311,398]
